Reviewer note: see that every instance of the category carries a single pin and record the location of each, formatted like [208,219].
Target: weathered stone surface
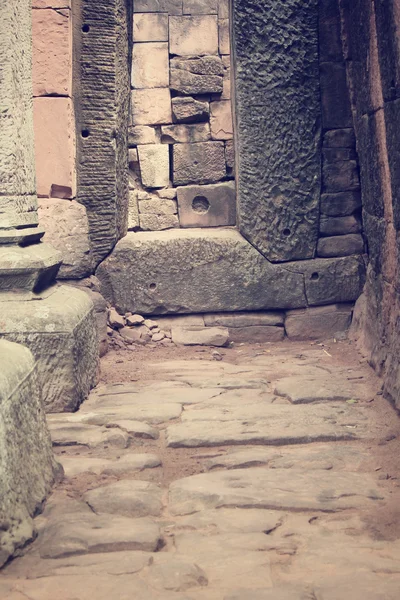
[221,120]
[224,41]
[335,101]
[303,390]
[115,320]
[66,433]
[244,319]
[150,68]
[142,134]
[128,498]
[158,206]
[185,134]
[320,322]
[277,75]
[67,230]
[200,336]
[340,225]
[256,334]
[167,193]
[172,7]
[60,330]
[230,154]
[29,268]
[126,464]
[133,211]
[272,488]
[203,162]
[107,409]
[151,107]
[135,429]
[201,65]
[154,165]
[200,7]
[340,245]
[52,52]
[189,110]
[27,465]
[207,205]
[200,271]
[176,574]
[192,84]
[150,27]
[195,35]
[152,222]
[340,176]
[339,138]
[340,204]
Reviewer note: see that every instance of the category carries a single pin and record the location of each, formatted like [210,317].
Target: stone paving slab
[126,464]
[129,498]
[305,390]
[273,489]
[229,520]
[64,433]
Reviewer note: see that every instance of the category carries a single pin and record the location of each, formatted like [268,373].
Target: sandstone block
[167,323]
[199,65]
[185,134]
[340,225]
[29,269]
[340,245]
[208,205]
[245,319]
[126,498]
[223,9]
[341,204]
[187,83]
[230,154]
[189,110]
[340,176]
[51,52]
[115,320]
[167,193]
[150,65]
[133,158]
[27,464]
[200,336]
[158,206]
[133,211]
[51,3]
[151,107]
[200,7]
[154,165]
[149,222]
[340,138]
[224,36]
[256,334]
[172,7]
[150,27]
[54,147]
[142,134]
[195,35]
[221,120]
[67,230]
[203,162]
[318,323]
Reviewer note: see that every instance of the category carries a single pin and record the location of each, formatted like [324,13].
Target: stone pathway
[218,481]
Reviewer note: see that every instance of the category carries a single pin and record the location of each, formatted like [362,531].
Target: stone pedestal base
[59,328]
[27,465]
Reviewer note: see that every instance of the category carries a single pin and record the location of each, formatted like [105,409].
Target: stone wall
[181,156]
[370,32]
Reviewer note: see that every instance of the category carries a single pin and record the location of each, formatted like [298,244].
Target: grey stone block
[172,7]
[340,245]
[318,323]
[192,84]
[29,269]
[189,110]
[202,65]
[340,138]
[185,134]
[256,334]
[340,204]
[340,225]
[203,162]
[207,205]
[244,319]
[340,176]
[335,99]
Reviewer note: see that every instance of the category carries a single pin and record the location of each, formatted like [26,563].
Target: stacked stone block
[181,155]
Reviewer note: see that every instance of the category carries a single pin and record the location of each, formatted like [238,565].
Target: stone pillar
[55,322]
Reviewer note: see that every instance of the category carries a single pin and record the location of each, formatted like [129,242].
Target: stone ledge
[29,268]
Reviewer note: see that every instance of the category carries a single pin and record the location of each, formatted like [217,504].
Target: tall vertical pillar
[55,322]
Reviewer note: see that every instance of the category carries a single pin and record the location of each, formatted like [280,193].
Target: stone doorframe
[281,211]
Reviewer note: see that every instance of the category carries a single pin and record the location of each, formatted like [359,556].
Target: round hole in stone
[152,286]
[85,28]
[286,232]
[85,133]
[315,276]
[200,204]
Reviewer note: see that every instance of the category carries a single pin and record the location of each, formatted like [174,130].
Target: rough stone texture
[277,76]
[150,27]
[27,465]
[154,165]
[256,334]
[191,84]
[189,110]
[195,270]
[28,269]
[151,107]
[191,36]
[340,245]
[128,463]
[60,331]
[150,65]
[341,204]
[17,175]
[152,222]
[203,162]
[321,322]
[66,226]
[200,7]
[340,225]
[173,7]
[207,205]
[244,319]
[142,134]
[200,336]
[339,138]
[221,120]
[185,134]
[103,54]
[224,42]
[126,498]
[158,206]
[133,211]
[52,52]
[340,176]
[203,65]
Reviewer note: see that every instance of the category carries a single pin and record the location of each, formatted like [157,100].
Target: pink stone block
[52,52]
[54,147]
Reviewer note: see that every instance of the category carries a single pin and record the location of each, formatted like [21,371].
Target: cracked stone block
[340,245]
[194,35]
[154,165]
[51,52]
[189,110]
[224,36]
[151,106]
[150,27]
[150,65]
[185,134]
[221,120]
[203,162]
[207,205]
[67,230]
[319,322]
